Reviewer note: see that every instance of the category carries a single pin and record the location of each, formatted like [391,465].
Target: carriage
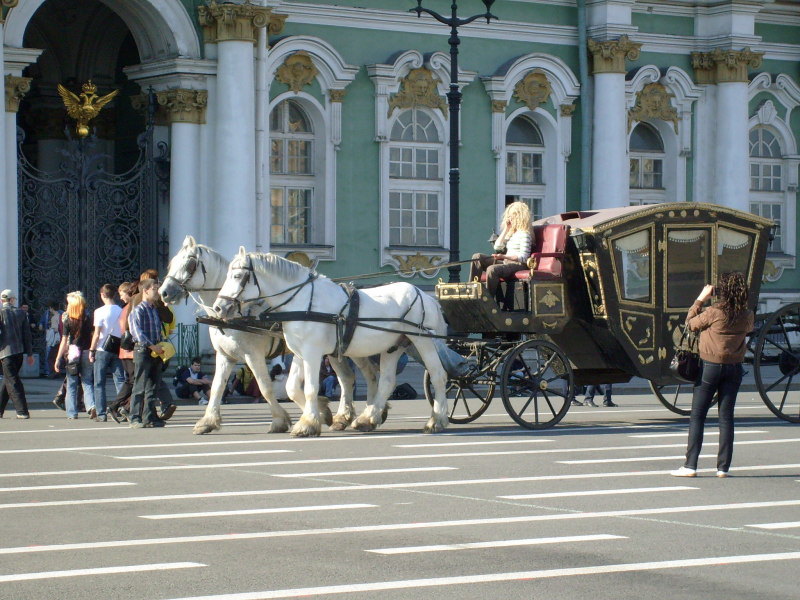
[603,301]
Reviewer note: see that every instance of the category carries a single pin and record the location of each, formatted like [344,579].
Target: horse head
[187,272]
[240,284]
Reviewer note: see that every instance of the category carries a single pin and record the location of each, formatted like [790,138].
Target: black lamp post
[454,102]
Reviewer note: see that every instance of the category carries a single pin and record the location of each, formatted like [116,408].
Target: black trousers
[146,378]
[12,385]
[495,270]
[725,381]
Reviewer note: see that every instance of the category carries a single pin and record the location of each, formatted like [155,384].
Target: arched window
[524,165]
[646,165]
[415,181]
[293,172]
[766,180]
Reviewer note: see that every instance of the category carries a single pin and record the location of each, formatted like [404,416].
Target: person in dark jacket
[723,329]
[15,342]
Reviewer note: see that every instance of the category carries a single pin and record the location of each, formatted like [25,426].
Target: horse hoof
[384,414]
[326,416]
[277,427]
[200,429]
[362,424]
[339,423]
[432,426]
[306,428]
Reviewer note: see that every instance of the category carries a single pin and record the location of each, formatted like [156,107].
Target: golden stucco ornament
[86,106]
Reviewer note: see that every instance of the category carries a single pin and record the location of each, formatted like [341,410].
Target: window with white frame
[646,166]
[293,174]
[524,165]
[416,183]
[766,181]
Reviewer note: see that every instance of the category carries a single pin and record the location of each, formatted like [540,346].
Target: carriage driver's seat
[545,262]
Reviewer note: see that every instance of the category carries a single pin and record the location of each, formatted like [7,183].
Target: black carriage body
[629,276]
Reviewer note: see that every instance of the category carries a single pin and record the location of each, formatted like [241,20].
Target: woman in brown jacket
[723,328]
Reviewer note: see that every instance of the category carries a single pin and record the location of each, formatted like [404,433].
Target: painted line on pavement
[367,472]
[498,544]
[643,490]
[203,454]
[257,511]
[99,571]
[195,539]
[449,444]
[739,431]
[601,461]
[497,577]
[69,486]
[374,486]
[140,446]
[785,525]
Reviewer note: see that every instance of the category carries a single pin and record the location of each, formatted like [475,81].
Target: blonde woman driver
[515,237]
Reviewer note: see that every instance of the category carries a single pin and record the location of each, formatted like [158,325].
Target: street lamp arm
[451,21]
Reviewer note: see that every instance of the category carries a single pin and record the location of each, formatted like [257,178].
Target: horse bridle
[246,278]
[195,260]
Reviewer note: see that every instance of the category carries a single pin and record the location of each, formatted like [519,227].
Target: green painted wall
[777,34]
[672,25]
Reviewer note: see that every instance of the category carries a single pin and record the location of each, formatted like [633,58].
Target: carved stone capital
[725,66]
[653,102]
[184,106]
[533,90]
[337,95]
[297,71]
[232,22]
[276,23]
[16,88]
[609,56]
[499,106]
[418,88]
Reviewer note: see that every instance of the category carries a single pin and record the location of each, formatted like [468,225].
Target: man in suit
[15,342]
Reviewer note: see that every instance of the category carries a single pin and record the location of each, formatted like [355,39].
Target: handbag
[126,341]
[685,365]
[74,366]
[111,344]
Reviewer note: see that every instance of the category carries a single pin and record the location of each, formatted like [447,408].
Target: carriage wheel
[467,397]
[777,363]
[537,384]
[676,397]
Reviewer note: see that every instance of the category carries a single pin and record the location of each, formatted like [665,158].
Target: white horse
[199,271]
[257,282]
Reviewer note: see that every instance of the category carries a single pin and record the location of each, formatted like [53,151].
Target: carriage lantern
[580,239]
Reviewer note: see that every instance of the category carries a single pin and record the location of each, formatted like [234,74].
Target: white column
[184,217]
[733,151]
[610,164]
[6,266]
[233,28]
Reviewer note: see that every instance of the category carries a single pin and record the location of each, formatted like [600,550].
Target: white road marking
[739,431]
[195,539]
[601,461]
[201,454]
[366,472]
[443,444]
[70,486]
[375,486]
[495,577]
[99,571]
[498,544]
[785,525]
[138,446]
[318,461]
[257,511]
[642,490]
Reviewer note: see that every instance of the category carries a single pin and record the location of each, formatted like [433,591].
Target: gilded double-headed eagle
[86,106]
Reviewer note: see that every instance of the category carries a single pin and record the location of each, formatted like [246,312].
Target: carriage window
[688,265]
[632,262]
[733,251]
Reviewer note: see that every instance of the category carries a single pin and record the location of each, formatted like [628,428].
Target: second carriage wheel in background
[777,363]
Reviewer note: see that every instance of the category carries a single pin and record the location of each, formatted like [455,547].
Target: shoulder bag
[685,365]
[111,344]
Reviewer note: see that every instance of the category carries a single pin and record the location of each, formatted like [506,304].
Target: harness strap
[346,325]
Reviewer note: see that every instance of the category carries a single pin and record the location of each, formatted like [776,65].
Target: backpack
[404,391]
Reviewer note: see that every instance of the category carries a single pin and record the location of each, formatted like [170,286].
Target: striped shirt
[517,246]
[144,324]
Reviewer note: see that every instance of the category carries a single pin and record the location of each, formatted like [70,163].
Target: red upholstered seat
[549,244]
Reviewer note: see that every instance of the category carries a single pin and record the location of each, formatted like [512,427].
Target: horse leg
[281,422]
[430,358]
[347,379]
[211,419]
[370,372]
[294,389]
[372,416]
[309,423]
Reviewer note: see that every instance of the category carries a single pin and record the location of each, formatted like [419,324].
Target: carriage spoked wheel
[537,384]
[469,396]
[676,397]
[777,363]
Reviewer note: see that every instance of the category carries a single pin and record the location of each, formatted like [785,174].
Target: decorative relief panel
[533,90]
[418,88]
[639,328]
[417,264]
[653,102]
[548,299]
[297,71]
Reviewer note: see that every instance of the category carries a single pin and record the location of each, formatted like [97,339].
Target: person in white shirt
[104,349]
[515,237]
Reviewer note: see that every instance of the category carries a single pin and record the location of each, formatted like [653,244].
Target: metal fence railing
[187,342]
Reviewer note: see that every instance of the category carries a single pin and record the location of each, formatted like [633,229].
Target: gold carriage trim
[548,299]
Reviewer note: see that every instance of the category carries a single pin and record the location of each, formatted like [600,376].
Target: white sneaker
[722,473]
[203,401]
[684,472]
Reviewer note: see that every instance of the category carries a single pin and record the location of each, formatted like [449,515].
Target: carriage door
[688,266]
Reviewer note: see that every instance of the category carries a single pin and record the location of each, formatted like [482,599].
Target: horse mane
[283,267]
[218,261]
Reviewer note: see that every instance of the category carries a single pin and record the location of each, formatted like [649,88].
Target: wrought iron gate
[83,226]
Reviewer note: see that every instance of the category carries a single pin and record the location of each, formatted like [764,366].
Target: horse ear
[242,251]
[189,242]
